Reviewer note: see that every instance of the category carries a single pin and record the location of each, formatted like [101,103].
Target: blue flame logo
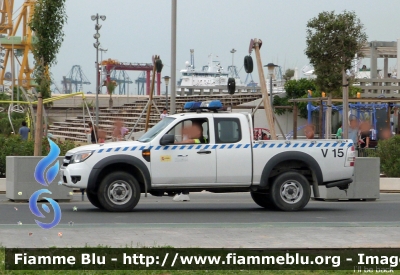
[45,178]
[45,162]
[35,210]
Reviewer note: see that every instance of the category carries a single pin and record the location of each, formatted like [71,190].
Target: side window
[184,131]
[227,130]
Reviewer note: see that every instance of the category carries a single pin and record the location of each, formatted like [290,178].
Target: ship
[213,76]
[210,76]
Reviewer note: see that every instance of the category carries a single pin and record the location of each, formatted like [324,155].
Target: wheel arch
[300,159]
[129,164]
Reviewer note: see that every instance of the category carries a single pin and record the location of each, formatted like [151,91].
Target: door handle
[203,152]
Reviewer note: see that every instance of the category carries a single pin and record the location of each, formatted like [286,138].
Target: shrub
[5,126]
[389,153]
[15,146]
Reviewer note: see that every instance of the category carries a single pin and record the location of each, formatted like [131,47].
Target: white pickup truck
[277,173]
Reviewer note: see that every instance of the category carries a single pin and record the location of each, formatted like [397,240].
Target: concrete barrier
[365,185]
[21,183]
[390,184]
[2,185]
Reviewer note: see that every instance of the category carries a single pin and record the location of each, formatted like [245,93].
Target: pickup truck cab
[227,158]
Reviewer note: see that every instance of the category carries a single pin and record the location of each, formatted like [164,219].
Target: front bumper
[75,175]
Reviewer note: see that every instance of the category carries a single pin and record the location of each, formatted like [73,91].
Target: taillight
[350,156]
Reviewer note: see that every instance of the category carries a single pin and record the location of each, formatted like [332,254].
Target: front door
[184,163]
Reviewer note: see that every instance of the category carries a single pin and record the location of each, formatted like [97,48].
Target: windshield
[156,129]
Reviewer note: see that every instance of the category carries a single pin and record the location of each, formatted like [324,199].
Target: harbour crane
[141,81]
[75,79]
[17,48]
[111,65]
[122,78]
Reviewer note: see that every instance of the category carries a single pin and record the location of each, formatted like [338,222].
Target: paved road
[209,220]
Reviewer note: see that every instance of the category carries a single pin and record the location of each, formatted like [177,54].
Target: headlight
[80,156]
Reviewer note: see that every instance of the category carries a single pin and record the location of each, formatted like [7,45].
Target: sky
[136,30]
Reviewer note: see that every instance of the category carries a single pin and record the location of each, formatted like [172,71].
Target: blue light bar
[192,105]
[206,105]
[211,105]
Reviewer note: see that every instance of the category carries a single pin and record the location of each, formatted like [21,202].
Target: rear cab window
[227,130]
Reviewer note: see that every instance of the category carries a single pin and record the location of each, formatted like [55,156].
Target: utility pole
[173,57]
[38,130]
[151,93]
[345,123]
[97,88]
[267,105]
[96,36]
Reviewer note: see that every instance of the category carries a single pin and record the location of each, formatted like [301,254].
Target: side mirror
[167,139]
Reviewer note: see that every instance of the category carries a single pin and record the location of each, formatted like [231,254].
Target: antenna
[192,58]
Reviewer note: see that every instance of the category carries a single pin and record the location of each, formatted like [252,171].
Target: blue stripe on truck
[232,146]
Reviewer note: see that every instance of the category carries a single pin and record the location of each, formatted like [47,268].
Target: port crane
[17,48]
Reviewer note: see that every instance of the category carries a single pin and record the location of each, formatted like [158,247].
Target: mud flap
[315,186]
[341,184]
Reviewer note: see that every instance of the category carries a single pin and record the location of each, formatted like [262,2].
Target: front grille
[66,160]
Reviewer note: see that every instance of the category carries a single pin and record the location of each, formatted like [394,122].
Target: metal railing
[367,152]
[371,87]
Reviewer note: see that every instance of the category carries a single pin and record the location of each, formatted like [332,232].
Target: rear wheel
[262,199]
[119,192]
[290,191]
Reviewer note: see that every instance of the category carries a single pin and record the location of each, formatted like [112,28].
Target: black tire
[93,198]
[119,192]
[262,199]
[248,64]
[231,85]
[290,191]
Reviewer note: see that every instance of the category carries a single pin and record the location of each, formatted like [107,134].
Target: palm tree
[111,85]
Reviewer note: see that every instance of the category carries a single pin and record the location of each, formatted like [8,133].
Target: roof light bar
[212,105]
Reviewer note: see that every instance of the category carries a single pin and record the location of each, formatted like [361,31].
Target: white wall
[285,121]
[398,53]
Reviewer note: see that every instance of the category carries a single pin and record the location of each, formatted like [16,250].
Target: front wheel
[290,191]
[119,192]
[93,198]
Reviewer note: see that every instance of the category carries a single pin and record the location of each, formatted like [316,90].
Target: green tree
[289,73]
[296,89]
[47,22]
[299,88]
[111,85]
[333,40]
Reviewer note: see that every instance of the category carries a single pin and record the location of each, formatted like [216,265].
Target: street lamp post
[101,56]
[166,79]
[233,53]
[96,36]
[101,66]
[271,68]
